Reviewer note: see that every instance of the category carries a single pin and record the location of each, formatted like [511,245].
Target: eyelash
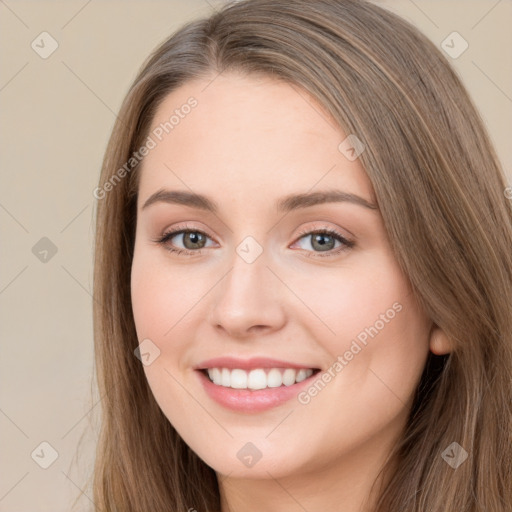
[346,244]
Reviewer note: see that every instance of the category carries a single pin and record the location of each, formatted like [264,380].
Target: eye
[193,241]
[324,241]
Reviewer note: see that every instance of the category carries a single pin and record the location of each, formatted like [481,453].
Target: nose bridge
[248,295]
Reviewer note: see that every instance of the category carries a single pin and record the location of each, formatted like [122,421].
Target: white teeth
[216,375]
[301,375]
[258,378]
[274,378]
[289,376]
[238,379]
[225,378]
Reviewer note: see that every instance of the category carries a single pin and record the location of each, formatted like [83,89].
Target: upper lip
[249,364]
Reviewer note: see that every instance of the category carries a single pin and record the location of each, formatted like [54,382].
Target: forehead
[247,135]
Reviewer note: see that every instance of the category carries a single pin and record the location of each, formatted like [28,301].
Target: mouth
[257,378]
[253,385]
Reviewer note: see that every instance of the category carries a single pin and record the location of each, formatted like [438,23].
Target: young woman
[303,274]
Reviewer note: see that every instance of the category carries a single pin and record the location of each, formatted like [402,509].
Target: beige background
[57,114]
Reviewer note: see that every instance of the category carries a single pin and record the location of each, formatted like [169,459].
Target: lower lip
[246,400]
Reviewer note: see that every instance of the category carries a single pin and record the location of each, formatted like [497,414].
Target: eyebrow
[285,204]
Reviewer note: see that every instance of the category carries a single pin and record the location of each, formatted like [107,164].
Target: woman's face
[258,292]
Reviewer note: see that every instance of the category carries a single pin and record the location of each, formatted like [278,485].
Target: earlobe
[440,344]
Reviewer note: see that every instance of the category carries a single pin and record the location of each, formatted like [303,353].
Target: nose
[248,300]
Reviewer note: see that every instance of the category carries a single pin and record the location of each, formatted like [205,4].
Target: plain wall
[57,114]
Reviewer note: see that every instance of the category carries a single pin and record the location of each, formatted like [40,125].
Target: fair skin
[249,142]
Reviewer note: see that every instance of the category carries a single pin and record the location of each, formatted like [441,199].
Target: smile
[258,378]
[253,385]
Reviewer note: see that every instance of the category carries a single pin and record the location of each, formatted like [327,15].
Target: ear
[439,343]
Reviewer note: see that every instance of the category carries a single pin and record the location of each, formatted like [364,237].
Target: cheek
[146,300]
[160,302]
[160,297]
[378,351]
[349,300]
[370,319]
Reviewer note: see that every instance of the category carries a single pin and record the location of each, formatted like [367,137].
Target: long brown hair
[440,190]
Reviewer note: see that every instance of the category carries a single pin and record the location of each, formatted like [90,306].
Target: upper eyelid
[180,230]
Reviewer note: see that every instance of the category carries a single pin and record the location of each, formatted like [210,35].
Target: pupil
[320,239]
[194,237]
